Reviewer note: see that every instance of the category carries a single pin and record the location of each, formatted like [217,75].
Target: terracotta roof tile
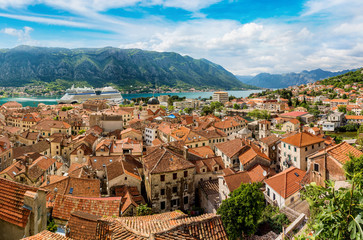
[302,139]
[165,159]
[341,152]
[12,201]
[65,205]
[82,226]
[287,182]
[230,148]
[233,181]
[207,226]
[46,235]
[204,151]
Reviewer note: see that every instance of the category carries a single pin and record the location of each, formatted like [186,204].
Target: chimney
[185,152]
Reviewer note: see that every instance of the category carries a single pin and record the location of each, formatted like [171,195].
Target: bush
[51,226]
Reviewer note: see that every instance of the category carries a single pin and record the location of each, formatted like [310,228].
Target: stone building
[169,179]
[23,210]
[294,150]
[328,164]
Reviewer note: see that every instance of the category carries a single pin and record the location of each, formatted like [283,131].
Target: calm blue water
[34,101]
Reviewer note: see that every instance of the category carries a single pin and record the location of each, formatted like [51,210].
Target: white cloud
[103,5]
[15,3]
[47,20]
[23,35]
[276,45]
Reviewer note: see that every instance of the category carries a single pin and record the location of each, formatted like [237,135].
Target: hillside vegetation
[344,79]
[104,66]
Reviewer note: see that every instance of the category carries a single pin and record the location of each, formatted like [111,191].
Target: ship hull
[70,99]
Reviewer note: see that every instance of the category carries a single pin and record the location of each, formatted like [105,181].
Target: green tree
[51,226]
[230,98]
[188,110]
[236,106]
[259,114]
[342,108]
[143,210]
[241,212]
[81,131]
[335,214]
[350,113]
[171,108]
[354,168]
[338,139]
[216,106]
[206,110]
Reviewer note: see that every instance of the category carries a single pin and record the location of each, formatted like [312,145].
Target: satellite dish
[264,173]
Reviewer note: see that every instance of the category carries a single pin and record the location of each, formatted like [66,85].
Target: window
[312,146]
[306,148]
[162,178]
[185,173]
[289,147]
[274,197]
[284,145]
[215,169]
[175,189]
[162,192]
[316,167]
[175,202]
[295,159]
[295,149]
[186,200]
[162,205]
[185,186]
[175,175]
[268,191]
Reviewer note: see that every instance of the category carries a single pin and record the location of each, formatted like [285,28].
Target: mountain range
[267,80]
[103,66]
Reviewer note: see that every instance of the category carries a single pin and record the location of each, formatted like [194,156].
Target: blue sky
[244,36]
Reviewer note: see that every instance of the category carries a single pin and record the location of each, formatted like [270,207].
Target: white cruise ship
[79,95]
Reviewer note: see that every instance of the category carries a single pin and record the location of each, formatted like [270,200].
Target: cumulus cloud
[102,5]
[326,35]
[23,35]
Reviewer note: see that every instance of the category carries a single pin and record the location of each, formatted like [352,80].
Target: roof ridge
[158,161]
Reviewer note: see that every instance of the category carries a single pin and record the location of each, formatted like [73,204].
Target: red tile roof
[230,148]
[293,114]
[207,227]
[287,182]
[79,187]
[12,201]
[46,235]
[302,139]
[166,159]
[65,205]
[341,152]
[82,226]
